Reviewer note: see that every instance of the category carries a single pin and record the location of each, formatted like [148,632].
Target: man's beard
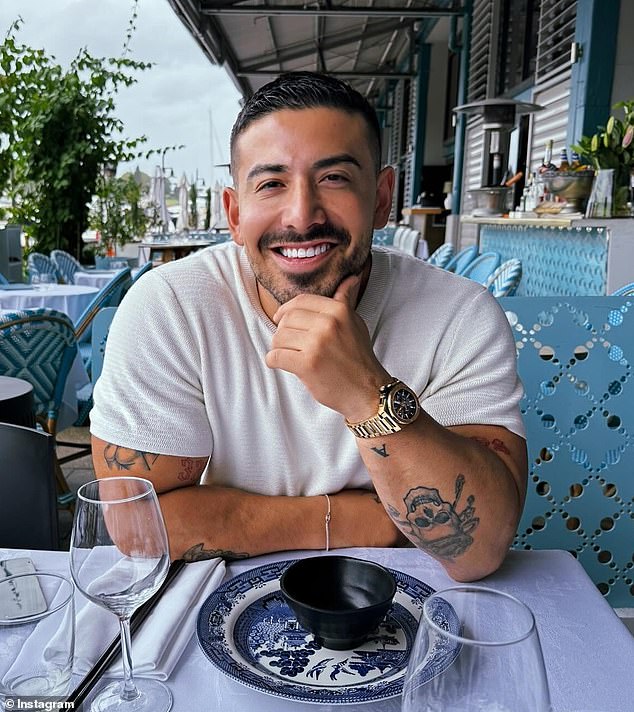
[318,281]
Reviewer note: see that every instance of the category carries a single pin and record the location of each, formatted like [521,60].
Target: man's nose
[303,207]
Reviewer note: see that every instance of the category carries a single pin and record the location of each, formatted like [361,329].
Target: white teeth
[294,253]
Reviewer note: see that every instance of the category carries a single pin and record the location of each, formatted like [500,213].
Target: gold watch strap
[380,424]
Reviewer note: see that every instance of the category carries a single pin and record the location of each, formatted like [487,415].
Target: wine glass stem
[129,690]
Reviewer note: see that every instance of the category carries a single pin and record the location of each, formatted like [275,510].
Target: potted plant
[611,152]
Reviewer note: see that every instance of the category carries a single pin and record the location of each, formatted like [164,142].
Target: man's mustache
[324,230]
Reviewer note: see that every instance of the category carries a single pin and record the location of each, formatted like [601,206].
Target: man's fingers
[348,290]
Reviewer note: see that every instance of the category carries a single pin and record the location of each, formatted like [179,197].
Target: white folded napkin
[160,641]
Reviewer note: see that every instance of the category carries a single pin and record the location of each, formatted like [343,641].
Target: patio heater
[499,116]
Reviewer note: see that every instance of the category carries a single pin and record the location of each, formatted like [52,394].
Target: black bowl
[339,599]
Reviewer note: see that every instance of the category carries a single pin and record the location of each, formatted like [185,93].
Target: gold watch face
[403,404]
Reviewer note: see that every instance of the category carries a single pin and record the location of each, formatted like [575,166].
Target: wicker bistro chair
[146,268]
[462,259]
[505,279]
[39,345]
[3,279]
[38,263]
[575,356]
[441,256]
[66,265]
[480,269]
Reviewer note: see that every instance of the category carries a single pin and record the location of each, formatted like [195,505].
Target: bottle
[564,166]
[575,162]
[547,164]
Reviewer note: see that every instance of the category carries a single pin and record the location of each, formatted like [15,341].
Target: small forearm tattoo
[436,525]
[189,471]
[199,553]
[382,451]
[496,444]
[123,458]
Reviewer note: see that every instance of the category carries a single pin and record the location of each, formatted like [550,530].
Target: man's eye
[335,178]
[269,184]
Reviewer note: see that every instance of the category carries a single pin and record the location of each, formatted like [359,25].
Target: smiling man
[250,379]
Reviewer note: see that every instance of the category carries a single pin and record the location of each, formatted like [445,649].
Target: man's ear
[384,191]
[232,211]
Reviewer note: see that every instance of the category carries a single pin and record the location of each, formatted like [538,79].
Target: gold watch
[398,407]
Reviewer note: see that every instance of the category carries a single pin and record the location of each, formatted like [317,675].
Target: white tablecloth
[68,298]
[98,277]
[587,650]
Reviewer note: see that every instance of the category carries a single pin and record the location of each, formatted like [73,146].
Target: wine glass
[485,644]
[118,559]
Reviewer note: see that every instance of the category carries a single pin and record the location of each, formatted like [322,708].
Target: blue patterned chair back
[460,260]
[66,265]
[480,269]
[384,235]
[442,255]
[146,268]
[625,291]
[506,278]
[575,356]
[39,346]
[38,263]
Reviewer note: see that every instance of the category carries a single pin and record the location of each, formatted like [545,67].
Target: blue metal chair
[3,279]
[146,268]
[506,278]
[480,269]
[441,256]
[460,260]
[66,265]
[625,291]
[38,263]
[575,356]
[75,437]
[39,346]
[110,295]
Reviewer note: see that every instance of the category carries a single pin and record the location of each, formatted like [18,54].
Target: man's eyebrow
[261,168]
[336,160]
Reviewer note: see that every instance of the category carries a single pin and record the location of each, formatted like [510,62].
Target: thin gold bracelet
[327,521]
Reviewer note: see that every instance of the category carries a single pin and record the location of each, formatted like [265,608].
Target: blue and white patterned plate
[247,631]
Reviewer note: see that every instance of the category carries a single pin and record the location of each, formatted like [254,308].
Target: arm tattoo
[435,525]
[198,553]
[123,458]
[382,451]
[496,444]
[188,473]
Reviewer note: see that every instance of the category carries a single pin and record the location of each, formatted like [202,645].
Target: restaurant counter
[561,256]
[587,650]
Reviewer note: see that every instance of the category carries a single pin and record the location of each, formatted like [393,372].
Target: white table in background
[587,650]
[98,277]
[68,298]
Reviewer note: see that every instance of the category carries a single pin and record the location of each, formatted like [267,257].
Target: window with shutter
[557,20]
[479,55]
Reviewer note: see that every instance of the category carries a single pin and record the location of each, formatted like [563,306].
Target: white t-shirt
[184,371]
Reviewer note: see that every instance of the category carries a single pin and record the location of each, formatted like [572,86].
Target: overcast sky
[183,99]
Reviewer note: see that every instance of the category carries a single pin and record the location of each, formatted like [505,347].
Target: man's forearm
[456,495]
[206,521]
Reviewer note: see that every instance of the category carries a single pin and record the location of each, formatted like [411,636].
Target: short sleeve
[149,396]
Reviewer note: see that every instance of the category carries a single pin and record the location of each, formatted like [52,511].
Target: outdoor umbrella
[183,220]
[216,206]
[158,198]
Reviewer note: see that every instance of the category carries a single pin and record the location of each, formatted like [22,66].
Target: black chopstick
[112,652]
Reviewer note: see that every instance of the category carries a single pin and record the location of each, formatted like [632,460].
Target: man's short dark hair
[307,90]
